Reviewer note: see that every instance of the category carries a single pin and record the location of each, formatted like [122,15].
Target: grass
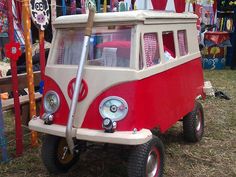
[214,156]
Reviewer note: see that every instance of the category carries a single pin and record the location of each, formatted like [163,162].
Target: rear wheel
[147,160]
[193,124]
[56,155]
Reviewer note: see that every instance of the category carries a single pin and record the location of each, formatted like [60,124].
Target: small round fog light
[108,125]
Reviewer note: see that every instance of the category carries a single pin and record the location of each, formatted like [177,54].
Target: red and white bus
[143,72]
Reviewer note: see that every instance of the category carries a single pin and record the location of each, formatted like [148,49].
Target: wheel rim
[153,163]
[198,121]
[63,153]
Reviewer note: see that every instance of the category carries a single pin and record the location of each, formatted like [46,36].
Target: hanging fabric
[159,4]
[73,7]
[63,4]
[170,6]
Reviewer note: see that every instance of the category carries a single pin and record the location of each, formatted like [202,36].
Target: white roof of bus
[127,16]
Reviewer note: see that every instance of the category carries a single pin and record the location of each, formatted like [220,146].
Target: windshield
[109,46]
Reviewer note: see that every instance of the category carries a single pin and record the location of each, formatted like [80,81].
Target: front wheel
[193,124]
[147,160]
[56,155]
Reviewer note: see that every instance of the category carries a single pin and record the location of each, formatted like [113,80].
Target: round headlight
[114,108]
[51,102]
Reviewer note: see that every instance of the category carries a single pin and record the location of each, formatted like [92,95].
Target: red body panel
[61,116]
[157,101]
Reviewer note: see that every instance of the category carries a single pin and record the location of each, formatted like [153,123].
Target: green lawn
[214,156]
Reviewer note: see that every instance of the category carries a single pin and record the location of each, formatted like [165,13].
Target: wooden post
[19,142]
[29,66]
[42,53]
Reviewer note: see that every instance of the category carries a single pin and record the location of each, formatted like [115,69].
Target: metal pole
[84,55]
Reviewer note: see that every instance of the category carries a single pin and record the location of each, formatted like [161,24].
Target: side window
[151,49]
[182,41]
[168,45]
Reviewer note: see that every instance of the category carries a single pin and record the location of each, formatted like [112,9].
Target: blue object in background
[98,6]
[3,142]
[41,87]
[63,4]
[213,63]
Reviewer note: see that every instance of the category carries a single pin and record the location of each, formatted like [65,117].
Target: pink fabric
[182,43]
[60,51]
[150,47]
[123,47]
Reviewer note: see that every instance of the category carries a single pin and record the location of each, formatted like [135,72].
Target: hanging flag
[127,4]
[82,2]
[170,6]
[111,5]
[188,6]
[121,7]
[63,4]
[149,5]
[98,6]
[104,6]
[158,4]
[180,6]
[73,6]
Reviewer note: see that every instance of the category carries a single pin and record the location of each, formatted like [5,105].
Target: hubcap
[63,154]
[153,163]
[198,121]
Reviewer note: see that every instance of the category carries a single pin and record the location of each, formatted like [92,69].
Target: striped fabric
[183,48]
[60,52]
[3,19]
[18,33]
[150,48]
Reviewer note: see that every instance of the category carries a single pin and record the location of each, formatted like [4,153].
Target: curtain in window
[150,48]
[183,50]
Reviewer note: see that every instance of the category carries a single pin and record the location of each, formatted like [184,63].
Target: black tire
[193,124]
[52,153]
[142,154]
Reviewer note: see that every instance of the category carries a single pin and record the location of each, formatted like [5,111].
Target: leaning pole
[29,66]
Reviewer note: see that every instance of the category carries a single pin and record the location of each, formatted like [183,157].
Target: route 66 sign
[40,13]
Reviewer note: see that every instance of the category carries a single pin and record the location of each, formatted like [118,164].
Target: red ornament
[13,50]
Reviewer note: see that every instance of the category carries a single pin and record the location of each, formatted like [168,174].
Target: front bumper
[118,137]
